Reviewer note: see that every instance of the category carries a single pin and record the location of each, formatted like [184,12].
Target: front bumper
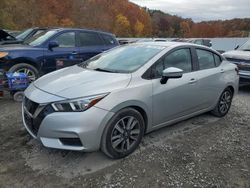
[244,76]
[68,130]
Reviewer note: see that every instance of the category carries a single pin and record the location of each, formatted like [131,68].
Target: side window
[180,59]
[205,59]
[109,40]
[66,40]
[217,60]
[89,39]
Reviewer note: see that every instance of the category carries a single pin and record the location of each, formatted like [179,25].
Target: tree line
[123,18]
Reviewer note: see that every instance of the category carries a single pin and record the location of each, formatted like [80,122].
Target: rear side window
[89,39]
[109,40]
[66,40]
[205,59]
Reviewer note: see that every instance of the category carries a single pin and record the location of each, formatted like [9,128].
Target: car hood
[15,47]
[237,54]
[75,82]
[4,35]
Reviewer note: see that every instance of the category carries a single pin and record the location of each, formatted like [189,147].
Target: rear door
[89,44]
[210,77]
[66,54]
[178,97]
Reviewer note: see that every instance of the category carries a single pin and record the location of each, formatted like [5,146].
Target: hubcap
[225,102]
[125,133]
[31,75]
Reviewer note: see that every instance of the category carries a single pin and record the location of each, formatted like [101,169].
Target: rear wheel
[28,69]
[123,133]
[223,104]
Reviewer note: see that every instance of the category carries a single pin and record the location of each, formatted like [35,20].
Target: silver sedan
[110,101]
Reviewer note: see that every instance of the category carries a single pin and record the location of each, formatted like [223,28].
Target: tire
[223,104]
[18,96]
[123,133]
[30,70]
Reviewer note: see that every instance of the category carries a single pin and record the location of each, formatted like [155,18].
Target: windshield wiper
[103,70]
[246,49]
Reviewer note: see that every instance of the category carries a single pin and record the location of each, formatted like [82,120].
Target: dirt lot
[201,152]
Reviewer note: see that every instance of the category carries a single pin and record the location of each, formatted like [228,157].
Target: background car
[53,49]
[241,57]
[200,41]
[111,100]
[23,36]
[6,37]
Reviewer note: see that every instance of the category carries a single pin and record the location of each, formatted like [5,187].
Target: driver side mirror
[53,44]
[171,73]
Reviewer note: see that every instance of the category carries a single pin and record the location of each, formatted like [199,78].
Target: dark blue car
[54,49]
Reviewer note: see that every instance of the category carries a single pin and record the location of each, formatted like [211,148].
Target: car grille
[241,63]
[34,113]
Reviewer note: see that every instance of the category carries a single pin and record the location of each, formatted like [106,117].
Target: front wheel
[223,104]
[28,69]
[123,133]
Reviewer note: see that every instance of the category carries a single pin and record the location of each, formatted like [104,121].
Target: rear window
[89,39]
[109,40]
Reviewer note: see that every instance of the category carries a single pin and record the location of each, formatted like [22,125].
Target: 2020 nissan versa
[111,100]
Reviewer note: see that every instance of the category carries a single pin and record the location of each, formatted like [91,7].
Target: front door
[66,54]
[178,97]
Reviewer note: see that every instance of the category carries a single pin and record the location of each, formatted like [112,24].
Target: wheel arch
[26,60]
[138,106]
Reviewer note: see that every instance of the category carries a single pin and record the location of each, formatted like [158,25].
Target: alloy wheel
[31,74]
[125,134]
[225,102]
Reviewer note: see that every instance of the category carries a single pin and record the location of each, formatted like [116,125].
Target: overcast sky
[200,10]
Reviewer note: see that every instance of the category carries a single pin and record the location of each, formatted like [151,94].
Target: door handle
[222,71]
[74,53]
[192,81]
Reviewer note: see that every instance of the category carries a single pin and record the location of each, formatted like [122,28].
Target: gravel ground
[201,152]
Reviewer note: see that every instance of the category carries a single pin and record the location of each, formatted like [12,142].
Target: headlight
[77,105]
[3,54]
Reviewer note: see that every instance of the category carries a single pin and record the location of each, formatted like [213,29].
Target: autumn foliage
[120,17]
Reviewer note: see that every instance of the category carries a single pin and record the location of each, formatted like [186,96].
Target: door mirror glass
[53,44]
[171,73]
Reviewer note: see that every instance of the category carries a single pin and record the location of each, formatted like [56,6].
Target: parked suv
[54,49]
[241,57]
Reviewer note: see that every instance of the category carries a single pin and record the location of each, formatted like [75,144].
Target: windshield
[246,46]
[125,59]
[40,38]
[23,34]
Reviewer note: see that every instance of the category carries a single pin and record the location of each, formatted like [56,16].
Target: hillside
[122,17]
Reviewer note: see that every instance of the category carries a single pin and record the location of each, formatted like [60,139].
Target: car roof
[165,44]
[174,44]
[81,29]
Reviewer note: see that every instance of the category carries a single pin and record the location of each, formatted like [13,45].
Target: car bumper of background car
[244,76]
[81,131]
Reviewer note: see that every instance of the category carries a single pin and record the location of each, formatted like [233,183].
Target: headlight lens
[3,54]
[77,105]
